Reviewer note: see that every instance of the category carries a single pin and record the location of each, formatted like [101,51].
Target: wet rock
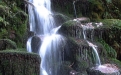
[35,43]
[31,33]
[105,69]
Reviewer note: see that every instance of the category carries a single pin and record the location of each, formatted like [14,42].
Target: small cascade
[96,53]
[94,47]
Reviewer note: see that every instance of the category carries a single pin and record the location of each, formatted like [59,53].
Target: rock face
[19,63]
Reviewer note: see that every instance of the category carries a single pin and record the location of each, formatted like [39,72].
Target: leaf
[1,19]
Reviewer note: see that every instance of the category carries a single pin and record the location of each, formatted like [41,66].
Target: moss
[70,23]
[109,51]
[12,43]
[7,44]
[115,61]
[111,22]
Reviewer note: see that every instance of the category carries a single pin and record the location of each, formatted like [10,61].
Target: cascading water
[86,27]
[98,63]
[42,24]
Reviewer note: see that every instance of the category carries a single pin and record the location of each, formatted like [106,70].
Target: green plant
[109,51]
[13,21]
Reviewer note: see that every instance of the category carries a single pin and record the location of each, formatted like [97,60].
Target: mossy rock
[7,44]
[110,33]
[19,63]
[69,28]
[60,18]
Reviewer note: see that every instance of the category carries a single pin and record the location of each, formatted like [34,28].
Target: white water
[29,45]
[40,17]
[50,53]
[42,24]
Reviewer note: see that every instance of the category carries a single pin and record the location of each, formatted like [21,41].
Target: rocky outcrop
[19,63]
[77,49]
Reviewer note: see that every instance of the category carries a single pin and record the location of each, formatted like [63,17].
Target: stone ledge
[19,63]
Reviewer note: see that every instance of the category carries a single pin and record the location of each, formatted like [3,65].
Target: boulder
[35,43]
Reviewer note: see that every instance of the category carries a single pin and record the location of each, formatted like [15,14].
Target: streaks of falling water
[74,9]
[42,24]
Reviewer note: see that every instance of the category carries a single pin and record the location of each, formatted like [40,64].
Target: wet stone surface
[105,69]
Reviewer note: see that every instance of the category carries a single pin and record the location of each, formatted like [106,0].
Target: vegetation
[13,21]
[94,9]
[109,51]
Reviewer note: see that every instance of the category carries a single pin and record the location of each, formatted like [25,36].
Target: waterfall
[94,47]
[42,23]
[74,9]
